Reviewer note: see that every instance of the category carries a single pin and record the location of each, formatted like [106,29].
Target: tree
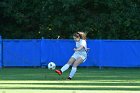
[100,19]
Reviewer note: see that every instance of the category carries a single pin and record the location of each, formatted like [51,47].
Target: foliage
[100,19]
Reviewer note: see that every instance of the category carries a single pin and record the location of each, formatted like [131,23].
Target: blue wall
[117,53]
[112,53]
[58,51]
[21,52]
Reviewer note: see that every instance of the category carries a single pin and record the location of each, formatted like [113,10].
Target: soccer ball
[51,66]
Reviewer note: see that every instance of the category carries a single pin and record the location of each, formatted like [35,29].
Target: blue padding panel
[0,52]
[58,51]
[117,53]
[21,53]
[112,53]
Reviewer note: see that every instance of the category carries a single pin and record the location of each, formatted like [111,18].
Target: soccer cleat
[69,78]
[59,72]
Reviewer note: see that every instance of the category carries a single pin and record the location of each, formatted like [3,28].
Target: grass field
[86,80]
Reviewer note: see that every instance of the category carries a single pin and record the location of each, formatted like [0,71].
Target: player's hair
[81,35]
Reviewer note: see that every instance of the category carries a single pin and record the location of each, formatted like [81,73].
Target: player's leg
[66,66]
[74,67]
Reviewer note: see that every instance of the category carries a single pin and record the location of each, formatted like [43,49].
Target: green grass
[86,80]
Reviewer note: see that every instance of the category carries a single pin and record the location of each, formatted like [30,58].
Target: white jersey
[81,53]
[82,43]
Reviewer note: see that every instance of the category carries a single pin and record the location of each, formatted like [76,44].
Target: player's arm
[79,48]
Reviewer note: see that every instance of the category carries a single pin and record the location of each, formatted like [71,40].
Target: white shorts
[83,55]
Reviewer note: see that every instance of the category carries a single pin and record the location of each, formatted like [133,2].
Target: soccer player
[79,55]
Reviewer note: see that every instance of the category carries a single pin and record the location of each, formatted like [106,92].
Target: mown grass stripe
[58,88]
[82,84]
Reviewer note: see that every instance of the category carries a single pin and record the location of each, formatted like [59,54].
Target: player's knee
[75,65]
[70,62]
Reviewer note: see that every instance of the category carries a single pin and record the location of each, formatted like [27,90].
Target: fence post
[0,52]
[100,54]
[42,60]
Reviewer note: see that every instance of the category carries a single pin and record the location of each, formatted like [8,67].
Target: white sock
[73,71]
[65,67]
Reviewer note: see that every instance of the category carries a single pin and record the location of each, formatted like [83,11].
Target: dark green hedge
[100,19]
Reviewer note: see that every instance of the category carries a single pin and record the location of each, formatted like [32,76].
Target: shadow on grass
[80,84]
[82,88]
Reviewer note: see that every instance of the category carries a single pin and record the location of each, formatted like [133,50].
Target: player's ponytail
[82,35]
